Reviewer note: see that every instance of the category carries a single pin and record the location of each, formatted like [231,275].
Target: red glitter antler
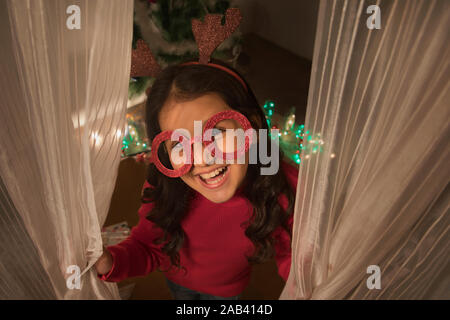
[210,33]
[143,64]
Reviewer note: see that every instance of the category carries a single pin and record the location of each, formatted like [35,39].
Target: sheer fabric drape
[378,193]
[63,102]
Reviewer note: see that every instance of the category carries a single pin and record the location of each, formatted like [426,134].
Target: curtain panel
[64,88]
[377,197]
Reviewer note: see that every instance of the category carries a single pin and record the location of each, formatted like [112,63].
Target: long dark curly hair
[190,82]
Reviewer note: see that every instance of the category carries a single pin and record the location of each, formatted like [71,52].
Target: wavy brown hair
[188,83]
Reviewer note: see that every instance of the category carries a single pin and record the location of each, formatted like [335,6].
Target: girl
[206,228]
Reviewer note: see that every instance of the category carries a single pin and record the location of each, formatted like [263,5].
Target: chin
[219,196]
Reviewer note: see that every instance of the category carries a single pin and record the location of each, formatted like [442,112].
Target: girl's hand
[104,263]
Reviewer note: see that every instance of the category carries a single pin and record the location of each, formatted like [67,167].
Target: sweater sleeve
[283,240]
[137,255]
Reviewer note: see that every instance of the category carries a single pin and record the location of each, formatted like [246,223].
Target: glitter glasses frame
[209,125]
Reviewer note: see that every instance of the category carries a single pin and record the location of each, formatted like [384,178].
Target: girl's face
[216,182]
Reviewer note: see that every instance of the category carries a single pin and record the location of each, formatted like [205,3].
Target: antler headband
[208,35]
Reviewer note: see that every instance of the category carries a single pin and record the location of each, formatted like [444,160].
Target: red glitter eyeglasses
[208,140]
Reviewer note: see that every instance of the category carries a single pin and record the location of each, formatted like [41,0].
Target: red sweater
[214,248]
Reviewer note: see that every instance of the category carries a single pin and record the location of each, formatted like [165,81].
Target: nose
[199,150]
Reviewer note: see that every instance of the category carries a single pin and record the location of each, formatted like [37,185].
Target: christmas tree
[165,25]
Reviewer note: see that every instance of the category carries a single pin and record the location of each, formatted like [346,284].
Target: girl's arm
[136,255]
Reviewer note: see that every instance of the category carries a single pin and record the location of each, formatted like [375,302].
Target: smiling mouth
[215,178]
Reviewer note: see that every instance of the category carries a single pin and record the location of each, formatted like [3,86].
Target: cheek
[239,172]
[174,165]
[177,158]
[229,144]
[189,180]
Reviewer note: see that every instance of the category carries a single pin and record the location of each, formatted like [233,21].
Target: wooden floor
[273,73]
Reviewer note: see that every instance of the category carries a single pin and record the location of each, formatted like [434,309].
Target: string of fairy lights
[295,140]
[135,140]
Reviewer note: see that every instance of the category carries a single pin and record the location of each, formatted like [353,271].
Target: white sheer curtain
[63,102]
[378,194]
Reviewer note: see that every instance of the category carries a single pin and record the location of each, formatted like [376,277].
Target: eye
[177,145]
[218,132]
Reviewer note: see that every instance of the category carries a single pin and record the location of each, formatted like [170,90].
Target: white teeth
[215,181]
[212,174]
